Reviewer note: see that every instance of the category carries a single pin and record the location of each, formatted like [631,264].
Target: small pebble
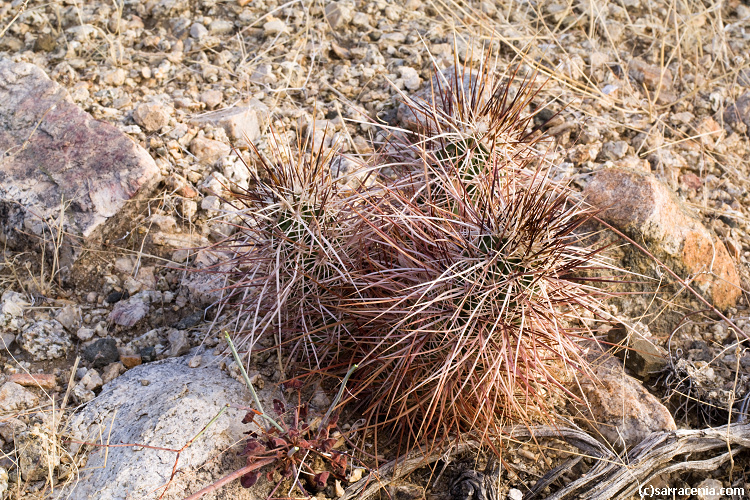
[339,489]
[195,361]
[514,494]
[44,380]
[131,361]
[198,31]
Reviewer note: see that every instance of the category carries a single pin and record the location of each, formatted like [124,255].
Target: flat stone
[55,156]
[13,397]
[617,406]
[641,354]
[129,312]
[208,151]
[645,209]
[44,380]
[166,404]
[242,123]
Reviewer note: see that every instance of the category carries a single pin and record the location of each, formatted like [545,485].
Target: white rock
[13,304]
[339,14]
[412,81]
[92,380]
[514,494]
[44,339]
[14,397]
[274,27]
[85,334]
[211,203]
[174,405]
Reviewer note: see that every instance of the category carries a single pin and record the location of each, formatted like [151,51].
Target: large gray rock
[164,404]
[57,156]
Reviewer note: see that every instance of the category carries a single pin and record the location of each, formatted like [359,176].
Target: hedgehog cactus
[458,286]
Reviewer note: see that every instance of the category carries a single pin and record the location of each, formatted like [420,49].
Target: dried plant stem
[338,395]
[230,477]
[249,384]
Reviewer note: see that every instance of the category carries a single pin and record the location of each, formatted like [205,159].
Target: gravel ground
[659,87]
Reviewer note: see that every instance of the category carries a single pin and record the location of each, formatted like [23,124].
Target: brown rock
[241,123]
[645,209]
[617,406]
[152,116]
[131,361]
[641,354]
[57,153]
[44,380]
[208,151]
[651,76]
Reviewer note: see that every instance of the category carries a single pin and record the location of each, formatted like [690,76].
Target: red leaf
[294,384]
[249,416]
[328,444]
[279,442]
[303,412]
[332,421]
[320,480]
[249,479]
[338,463]
[253,448]
[278,407]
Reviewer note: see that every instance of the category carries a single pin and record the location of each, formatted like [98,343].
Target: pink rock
[648,211]
[58,155]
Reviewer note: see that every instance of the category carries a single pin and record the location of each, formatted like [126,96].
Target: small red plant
[289,450]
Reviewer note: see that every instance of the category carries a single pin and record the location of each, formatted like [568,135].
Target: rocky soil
[121,125]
